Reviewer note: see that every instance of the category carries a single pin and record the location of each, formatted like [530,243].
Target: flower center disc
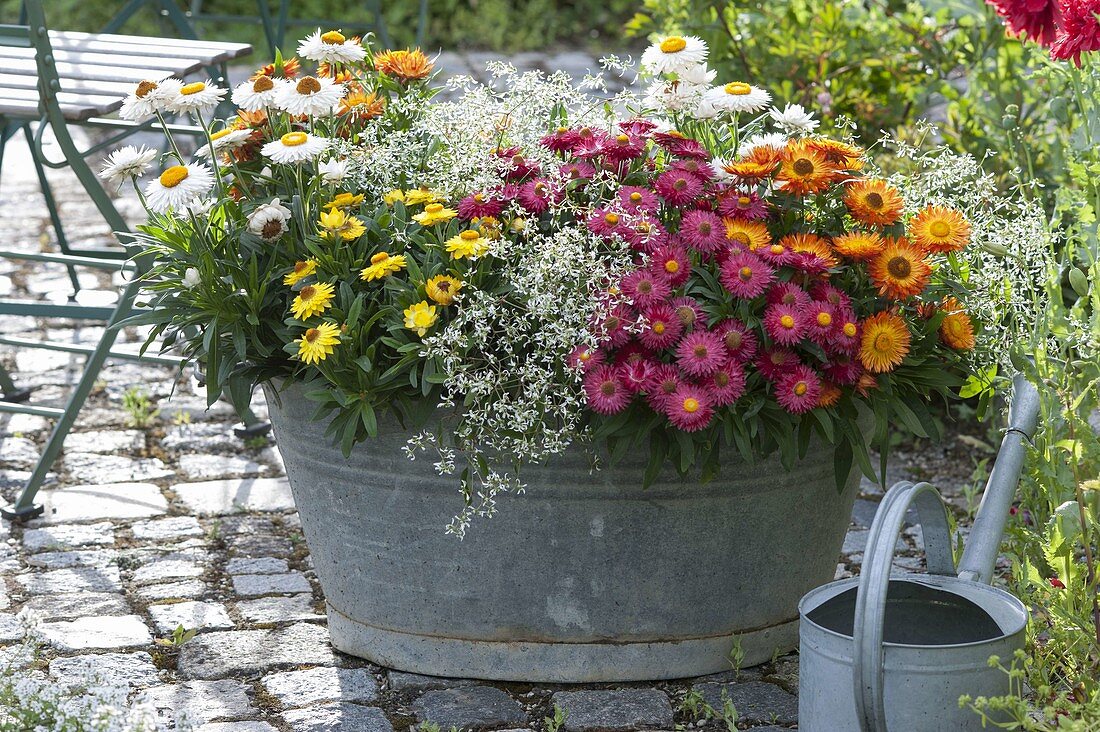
[174,176]
[803,166]
[899,267]
[311,335]
[470,235]
[380,257]
[611,219]
[434,208]
[744,201]
[883,343]
[675,44]
[746,273]
[194,88]
[145,88]
[800,388]
[787,321]
[824,319]
[333,38]
[659,328]
[293,139]
[691,405]
[849,329]
[939,229]
[308,85]
[635,196]
[262,84]
[672,266]
[874,200]
[738,89]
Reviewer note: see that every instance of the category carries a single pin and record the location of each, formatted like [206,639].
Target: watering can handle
[874,582]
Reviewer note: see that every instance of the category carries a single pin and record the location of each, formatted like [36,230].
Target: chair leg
[10,391]
[51,206]
[252,426]
[24,507]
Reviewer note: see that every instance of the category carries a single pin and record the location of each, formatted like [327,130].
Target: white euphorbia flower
[256,94]
[311,96]
[674,54]
[737,97]
[333,171]
[295,147]
[268,221]
[178,186]
[198,97]
[224,141]
[191,278]
[673,96]
[127,163]
[794,118]
[331,47]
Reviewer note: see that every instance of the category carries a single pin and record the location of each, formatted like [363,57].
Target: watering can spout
[984,542]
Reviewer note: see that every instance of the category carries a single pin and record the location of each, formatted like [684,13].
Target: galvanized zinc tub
[585,577]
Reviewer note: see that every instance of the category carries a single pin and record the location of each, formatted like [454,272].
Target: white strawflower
[127,163]
[331,47]
[224,141]
[770,139]
[794,118]
[698,74]
[268,221]
[178,186]
[309,96]
[199,207]
[718,165]
[737,97]
[333,171]
[197,97]
[295,147]
[257,94]
[674,54]
[144,101]
[191,278]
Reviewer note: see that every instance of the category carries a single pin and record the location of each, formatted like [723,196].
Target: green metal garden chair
[61,79]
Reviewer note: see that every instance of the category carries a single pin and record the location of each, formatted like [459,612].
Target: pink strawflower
[785,324]
[585,358]
[644,233]
[606,223]
[1080,31]
[678,188]
[811,263]
[636,374]
[623,146]
[506,192]
[605,391]
[836,297]
[740,342]
[844,369]
[479,205]
[689,312]
[590,146]
[845,334]
[774,362]
[798,390]
[680,146]
[637,198]
[821,322]
[637,126]
[690,408]
[777,254]
[742,206]
[645,288]
[664,379]
[701,353]
[1038,20]
[612,326]
[560,140]
[788,293]
[745,275]
[536,196]
[632,352]
[672,262]
[662,326]
[578,170]
[699,168]
[703,231]
[727,384]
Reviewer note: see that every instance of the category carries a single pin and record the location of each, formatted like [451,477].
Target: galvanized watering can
[882,653]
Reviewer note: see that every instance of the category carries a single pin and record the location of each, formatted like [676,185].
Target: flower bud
[1079,282]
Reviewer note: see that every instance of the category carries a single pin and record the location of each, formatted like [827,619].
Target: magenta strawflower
[560,140]
[689,312]
[590,146]
[845,335]
[1038,20]
[638,126]
[605,391]
[774,362]
[480,205]
[822,322]
[645,288]
[739,340]
[637,198]
[788,293]
[672,262]
[727,384]
[746,275]
[798,390]
[699,168]
[536,196]
[1080,31]
[738,205]
[678,188]
[703,231]
[578,170]
[664,379]
[836,297]
[701,353]
[777,254]
[644,232]
[585,358]
[786,324]
[661,326]
[844,369]
[632,352]
[635,374]
[690,408]
[606,223]
[680,146]
[612,326]
[624,146]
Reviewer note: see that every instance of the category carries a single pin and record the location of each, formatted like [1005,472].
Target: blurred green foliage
[495,25]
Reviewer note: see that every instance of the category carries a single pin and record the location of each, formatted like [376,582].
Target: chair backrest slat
[18,36]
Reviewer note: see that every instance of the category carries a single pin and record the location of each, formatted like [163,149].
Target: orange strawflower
[830,394]
[749,234]
[291,67]
[940,229]
[885,342]
[873,202]
[859,246]
[811,244]
[956,328]
[803,170]
[362,106]
[407,65]
[840,155]
[900,271]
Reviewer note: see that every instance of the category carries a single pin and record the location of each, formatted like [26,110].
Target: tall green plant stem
[1090,578]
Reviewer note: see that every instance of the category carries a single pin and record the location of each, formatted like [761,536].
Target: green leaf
[843,457]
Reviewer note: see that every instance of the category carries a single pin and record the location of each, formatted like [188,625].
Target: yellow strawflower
[312,300]
[382,264]
[316,343]
[433,213]
[300,272]
[341,224]
[345,200]
[393,196]
[443,288]
[469,243]
[415,196]
[420,317]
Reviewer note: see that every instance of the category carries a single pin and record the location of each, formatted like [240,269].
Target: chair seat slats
[91,72]
[235,50]
[140,46]
[74,112]
[75,86]
[96,58]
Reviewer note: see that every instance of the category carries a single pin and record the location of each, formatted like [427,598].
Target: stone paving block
[69,537]
[855,541]
[105,632]
[199,436]
[475,707]
[76,558]
[172,590]
[224,653]
[261,545]
[259,565]
[176,527]
[219,497]
[135,670]
[254,585]
[278,609]
[338,718]
[18,452]
[76,604]
[95,469]
[23,424]
[94,502]
[303,688]
[161,570]
[205,467]
[615,709]
[105,441]
[191,615]
[405,681]
[77,579]
[755,701]
[11,630]
[198,702]
[234,727]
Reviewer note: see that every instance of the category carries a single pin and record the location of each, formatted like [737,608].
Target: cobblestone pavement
[179,523]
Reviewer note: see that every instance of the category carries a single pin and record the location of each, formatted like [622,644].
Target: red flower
[1080,31]
[1055,582]
[1034,19]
